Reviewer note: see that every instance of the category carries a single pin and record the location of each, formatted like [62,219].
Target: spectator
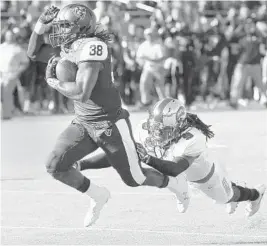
[249,64]
[151,56]
[100,11]
[13,62]
[132,70]
[172,66]
[41,56]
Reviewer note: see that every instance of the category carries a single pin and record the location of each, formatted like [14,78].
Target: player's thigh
[216,185]
[119,147]
[72,145]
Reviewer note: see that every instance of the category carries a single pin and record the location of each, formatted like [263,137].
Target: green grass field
[37,210]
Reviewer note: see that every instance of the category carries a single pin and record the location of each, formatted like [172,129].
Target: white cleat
[179,187]
[253,206]
[97,204]
[183,202]
[231,207]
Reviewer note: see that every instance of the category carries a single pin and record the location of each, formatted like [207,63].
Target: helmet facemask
[160,135]
[63,32]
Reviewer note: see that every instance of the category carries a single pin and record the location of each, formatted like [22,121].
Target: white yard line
[167,232]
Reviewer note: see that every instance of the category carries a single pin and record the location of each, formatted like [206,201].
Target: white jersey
[193,144]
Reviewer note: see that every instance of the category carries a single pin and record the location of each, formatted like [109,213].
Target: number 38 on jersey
[95,51]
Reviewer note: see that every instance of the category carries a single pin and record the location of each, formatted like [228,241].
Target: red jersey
[104,103]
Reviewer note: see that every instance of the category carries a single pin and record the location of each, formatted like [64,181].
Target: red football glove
[49,15]
[142,153]
[50,74]
[51,67]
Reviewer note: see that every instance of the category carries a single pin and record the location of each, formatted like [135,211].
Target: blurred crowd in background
[200,52]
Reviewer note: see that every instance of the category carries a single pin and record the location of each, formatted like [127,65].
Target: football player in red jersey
[99,121]
[174,142]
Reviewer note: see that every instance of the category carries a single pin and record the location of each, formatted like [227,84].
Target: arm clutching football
[79,90]
[170,168]
[36,39]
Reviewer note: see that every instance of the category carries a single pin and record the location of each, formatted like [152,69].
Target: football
[66,70]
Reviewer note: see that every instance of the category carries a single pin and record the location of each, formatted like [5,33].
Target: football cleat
[183,202]
[97,204]
[231,207]
[253,206]
[179,187]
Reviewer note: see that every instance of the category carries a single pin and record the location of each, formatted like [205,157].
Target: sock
[244,194]
[93,190]
[172,184]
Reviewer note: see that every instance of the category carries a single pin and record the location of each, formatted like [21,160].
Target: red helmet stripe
[157,112]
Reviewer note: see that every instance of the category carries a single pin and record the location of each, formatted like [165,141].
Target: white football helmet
[166,121]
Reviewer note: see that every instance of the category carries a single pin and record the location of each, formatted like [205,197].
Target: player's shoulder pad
[93,49]
[195,142]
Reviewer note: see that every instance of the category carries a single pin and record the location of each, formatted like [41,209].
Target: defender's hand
[49,15]
[51,67]
[142,153]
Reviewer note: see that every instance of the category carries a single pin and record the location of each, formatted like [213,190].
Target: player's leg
[96,161]
[120,148]
[252,196]
[217,185]
[73,144]
[99,161]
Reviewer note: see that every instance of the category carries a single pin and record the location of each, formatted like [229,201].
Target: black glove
[51,67]
[142,153]
[48,15]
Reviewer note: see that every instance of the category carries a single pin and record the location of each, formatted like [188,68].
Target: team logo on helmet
[80,12]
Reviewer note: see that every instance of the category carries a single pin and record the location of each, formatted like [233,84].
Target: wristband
[40,28]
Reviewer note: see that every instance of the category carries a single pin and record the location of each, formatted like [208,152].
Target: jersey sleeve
[35,44]
[93,50]
[191,144]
